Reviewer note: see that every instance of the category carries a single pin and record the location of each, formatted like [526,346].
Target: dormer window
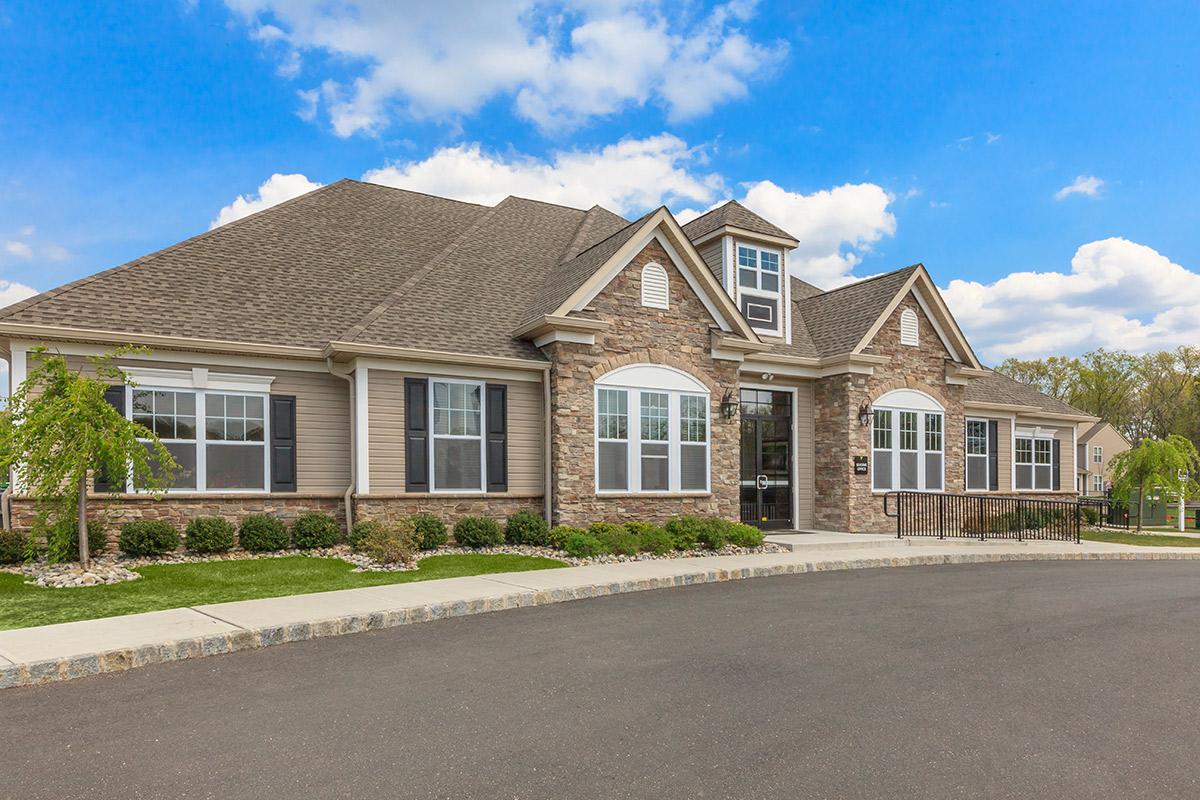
[758,278]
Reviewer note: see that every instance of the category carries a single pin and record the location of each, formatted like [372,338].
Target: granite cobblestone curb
[79,666]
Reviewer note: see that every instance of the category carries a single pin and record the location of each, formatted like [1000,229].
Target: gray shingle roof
[996,387]
[838,320]
[735,215]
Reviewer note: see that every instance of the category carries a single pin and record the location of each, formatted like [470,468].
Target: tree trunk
[84,555]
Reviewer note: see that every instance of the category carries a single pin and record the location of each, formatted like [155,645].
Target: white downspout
[547,478]
[348,497]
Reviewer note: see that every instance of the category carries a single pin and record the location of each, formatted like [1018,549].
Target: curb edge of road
[85,665]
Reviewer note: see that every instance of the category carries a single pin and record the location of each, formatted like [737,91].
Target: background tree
[1055,376]
[1167,465]
[58,428]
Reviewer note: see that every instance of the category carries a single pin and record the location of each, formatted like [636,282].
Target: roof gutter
[90,336]
[348,496]
[347,350]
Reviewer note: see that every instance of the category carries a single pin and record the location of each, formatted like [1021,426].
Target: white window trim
[633,430]
[1097,454]
[779,295]
[1097,483]
[201,440]
[1033,437]
[987,454]
[481,438]
[921,450]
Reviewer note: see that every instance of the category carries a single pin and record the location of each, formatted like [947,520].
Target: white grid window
[1034,468]
[670,451]
[1098,454]
[978,476]
[907,450]
[457,411]
[612,445]
[1098,484]
[693,442]
[759,275]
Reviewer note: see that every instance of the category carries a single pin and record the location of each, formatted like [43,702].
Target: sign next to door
[860,465]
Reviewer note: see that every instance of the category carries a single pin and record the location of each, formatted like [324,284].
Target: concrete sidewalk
[89,647]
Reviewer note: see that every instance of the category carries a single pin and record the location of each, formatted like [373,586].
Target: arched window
[908,327]
[907,442]
[655,288]
[652,431]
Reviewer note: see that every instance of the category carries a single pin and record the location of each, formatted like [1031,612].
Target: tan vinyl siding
[711,253]
[1066,464]
[385,422]
[322,418]
[805,472]
[1004,455]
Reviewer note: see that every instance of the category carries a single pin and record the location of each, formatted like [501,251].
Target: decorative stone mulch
[116,569]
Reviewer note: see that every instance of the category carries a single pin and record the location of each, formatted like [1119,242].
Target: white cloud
[18,249]
[272,191]
[834,226]
[1088,185]
[992,138]
[629,177]
[563,63]
[12,292]
[1118,294]
[56,252]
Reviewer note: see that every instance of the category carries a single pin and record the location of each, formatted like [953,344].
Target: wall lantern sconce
[864,415]
[729,406]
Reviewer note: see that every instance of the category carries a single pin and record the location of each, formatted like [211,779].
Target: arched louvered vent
[654,287]
[908,327]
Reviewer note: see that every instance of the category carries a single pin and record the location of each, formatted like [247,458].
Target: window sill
[191,494]
[447,495]
[653,494]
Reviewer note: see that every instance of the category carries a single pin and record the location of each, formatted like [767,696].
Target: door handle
[762,481]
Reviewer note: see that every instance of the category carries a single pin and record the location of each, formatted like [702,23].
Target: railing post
[941,516]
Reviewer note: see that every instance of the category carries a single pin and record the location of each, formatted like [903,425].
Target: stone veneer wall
[449,509]
[678,336]
[844,500]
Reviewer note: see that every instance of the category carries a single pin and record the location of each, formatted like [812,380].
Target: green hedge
[64,544]
[148,537]
[478,532]
[583,545]
[395,543]
[431,531]
[314,530]
[615,539]
[13,547]
[210,535]
[559,533]
[261,534]
[651,538]
[526,527]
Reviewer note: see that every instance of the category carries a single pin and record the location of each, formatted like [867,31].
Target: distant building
[1096,446]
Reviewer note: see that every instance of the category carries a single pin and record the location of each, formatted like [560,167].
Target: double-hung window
[652,438]
[759,280]
[1098,484]
[908,444]
[218,439]
[457,411]
[1034,456]
[1098,454]
[978,479]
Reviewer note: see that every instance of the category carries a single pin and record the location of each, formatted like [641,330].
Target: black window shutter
[283,443]
[497,437]
[416,434]
[1056,464]
[993,455]
[115,395]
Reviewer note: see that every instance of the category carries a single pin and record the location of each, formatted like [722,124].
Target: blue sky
[1039,158]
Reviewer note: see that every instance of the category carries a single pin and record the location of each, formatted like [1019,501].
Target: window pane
[977,477]
[693,419]
[254,408]
[655,427]
[1041,451]
[441,421]
[747,257]
[614,467]
[235,430]
[655,470]
[164,427]
[933,472]
[882,473]
[185,427]
[976,437]
[882,430]
[1042,474]
[214,428]
[748,278]
[770,283]
[908,431]
[769,261]
[1024,451]
[1024,476]
[456,464]
[214,405]
[693,468]
[908,470]
[164,402]
[473,398]
[441,395]
[933,432]
[142,402]
[612,419]
[231,466]
[235,406]
[145,420]
[254,431]
[185,474]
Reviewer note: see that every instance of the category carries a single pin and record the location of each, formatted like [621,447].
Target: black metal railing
[983,516]
[1105,511]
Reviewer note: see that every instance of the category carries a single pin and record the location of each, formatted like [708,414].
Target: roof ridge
[863,282]
[414,191]
[394,296]
[617,232]
[580,230]
[58,291]
[712,210]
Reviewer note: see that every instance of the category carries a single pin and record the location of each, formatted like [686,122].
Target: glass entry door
[766,481]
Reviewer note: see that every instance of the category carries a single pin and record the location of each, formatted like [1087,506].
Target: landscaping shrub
[63,540]
[395,543]
[1090,515]
[685,531]
[359,531]
[477,532]
[148,537]
[315,529]
[712,534]
[583,545]
[12,547]
[431,531]
[559,533]
[615,539]
[261,534]
[743,535]
[527,527]
[651,538]
[209,535]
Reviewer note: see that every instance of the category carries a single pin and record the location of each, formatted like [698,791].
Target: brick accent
[450,509]
[678,336]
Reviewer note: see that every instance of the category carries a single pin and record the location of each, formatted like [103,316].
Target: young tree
[1168,465]
[58,429]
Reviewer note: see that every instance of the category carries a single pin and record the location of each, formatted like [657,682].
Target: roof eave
[746,233]
[344,351]
[19,330]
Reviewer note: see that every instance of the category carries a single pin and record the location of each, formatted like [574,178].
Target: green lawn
[177,585]
[1144,539]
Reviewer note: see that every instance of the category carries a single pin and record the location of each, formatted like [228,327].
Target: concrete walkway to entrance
[89,647]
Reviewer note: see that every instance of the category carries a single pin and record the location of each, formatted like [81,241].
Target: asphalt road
[1051,680]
